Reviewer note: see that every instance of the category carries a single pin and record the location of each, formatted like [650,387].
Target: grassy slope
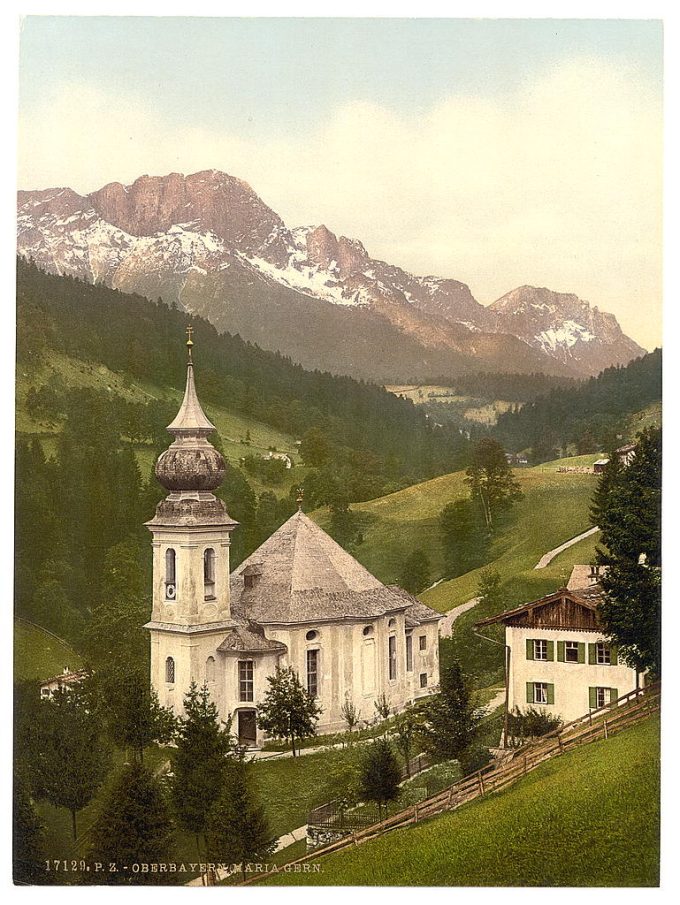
[589,818]
[555,509]
[39,654]
[231,427]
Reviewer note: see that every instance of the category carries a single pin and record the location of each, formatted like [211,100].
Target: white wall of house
[571,682]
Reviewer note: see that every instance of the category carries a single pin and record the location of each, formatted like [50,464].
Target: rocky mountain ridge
[209,243]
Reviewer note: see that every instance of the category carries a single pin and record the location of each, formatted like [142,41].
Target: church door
[247,728]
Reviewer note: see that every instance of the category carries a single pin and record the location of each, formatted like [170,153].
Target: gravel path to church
[547,558]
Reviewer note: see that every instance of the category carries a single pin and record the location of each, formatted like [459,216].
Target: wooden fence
[596,724]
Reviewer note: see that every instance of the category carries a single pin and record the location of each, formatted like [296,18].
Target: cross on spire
[190,341]
[300,498]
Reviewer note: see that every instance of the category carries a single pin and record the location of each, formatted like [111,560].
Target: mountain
[565,327]
[209,244]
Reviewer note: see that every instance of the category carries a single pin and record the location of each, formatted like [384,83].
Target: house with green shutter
[557,657]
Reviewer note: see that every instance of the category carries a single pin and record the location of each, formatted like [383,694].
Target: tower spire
[190,419]
[190,342]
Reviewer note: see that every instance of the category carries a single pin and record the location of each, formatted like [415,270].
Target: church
[299,600]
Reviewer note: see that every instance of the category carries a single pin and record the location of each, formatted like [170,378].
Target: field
[588,818]
[38,654]
[472,407]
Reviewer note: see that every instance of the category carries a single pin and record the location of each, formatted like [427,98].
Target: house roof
[588,599]
[191,419]
[581,577]
[306,576]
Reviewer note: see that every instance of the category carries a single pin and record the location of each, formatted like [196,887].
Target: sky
[495,152]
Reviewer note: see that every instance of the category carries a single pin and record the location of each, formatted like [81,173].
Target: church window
[169,670]
[423,680]
[209,574]
[170,575]
[210,669]
[368,630]
[391,623]
[392,656]
[422,642]
[313,672]
[245,680]
[409,653]
[312,635]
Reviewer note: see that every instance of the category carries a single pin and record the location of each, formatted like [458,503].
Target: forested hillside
[593,415]
[81,497]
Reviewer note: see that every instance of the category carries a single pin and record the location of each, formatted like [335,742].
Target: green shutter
[551,693]
[614,655]
[592,698]
[581,652]
[551,650]
[614,694]
[560,651]
[530,649]
[530,692]
[592,654]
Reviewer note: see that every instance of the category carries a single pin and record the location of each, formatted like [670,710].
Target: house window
[540,650]
[245,680]
[210,669]
[422,642]
[423,680]
[602,697]
[392,657]
[313,672]
[169,670]
[604,657]
[209,574]
[170,574]
[571,651]
[409,653]
[540,692]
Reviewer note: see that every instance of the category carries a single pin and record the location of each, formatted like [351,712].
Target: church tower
[191,529]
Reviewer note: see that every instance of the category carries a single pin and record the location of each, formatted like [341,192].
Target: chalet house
[299,600]
[557,658]
[66,679]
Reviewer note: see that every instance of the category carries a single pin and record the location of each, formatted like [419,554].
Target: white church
[299,600]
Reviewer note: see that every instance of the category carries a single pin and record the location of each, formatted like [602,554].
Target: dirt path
[450,617]
[547,558]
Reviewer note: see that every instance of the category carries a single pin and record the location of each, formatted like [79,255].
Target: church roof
[250,639]
[305,576]
[190,418]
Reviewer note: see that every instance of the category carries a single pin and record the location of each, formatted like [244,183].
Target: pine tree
[199,762]
[288,710]
[133,827]
[380,774]
[489,592]
[130,709]
[464,538]
[627,508]
[449,726]
[237,830]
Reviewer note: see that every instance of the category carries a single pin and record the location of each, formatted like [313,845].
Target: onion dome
[191,462]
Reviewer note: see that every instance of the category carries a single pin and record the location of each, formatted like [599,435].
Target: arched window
[170,575]
[391,623]
[169,670]
[209,574]
[210,669]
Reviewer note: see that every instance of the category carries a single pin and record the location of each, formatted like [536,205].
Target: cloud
[557,183]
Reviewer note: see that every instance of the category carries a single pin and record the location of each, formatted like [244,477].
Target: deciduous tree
[380,773]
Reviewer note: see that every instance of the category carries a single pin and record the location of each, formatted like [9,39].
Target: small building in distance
[557,657]
[625,454]
[66,679]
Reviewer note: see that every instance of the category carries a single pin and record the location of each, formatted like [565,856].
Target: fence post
[415,813]
[605,728]
[481,783]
